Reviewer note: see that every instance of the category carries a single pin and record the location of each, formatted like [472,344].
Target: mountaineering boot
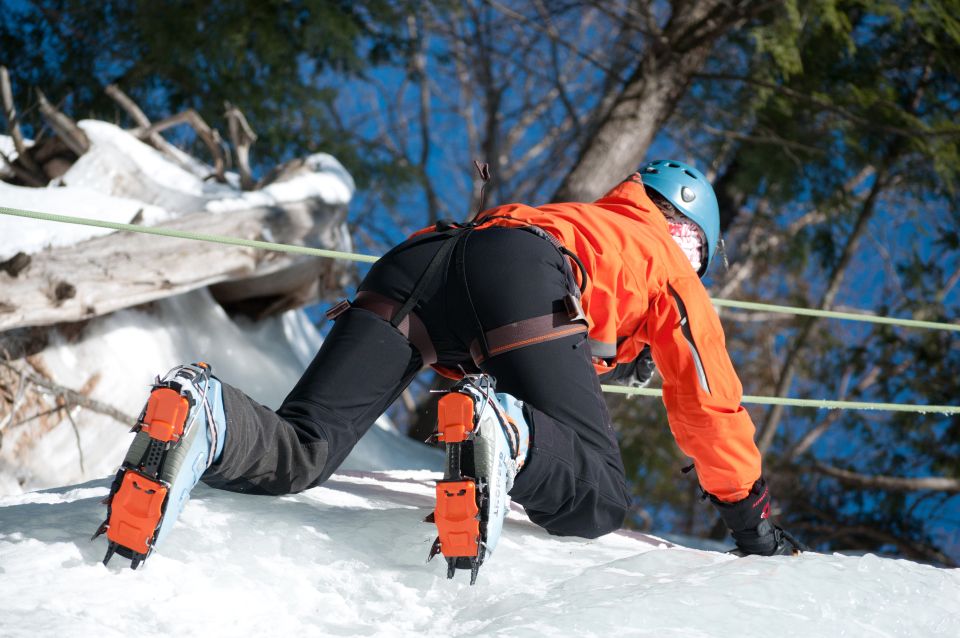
[179,434]
[750,525]
[487,438]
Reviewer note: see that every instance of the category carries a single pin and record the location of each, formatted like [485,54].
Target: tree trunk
[639,107]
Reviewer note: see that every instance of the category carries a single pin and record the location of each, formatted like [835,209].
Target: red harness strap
[410,327]
[526,333]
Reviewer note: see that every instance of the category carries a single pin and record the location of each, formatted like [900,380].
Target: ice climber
[531,308]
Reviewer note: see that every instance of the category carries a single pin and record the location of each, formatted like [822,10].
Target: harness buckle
[338,310]
[574,310]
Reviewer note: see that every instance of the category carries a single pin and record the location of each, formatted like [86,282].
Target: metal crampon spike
[434,550]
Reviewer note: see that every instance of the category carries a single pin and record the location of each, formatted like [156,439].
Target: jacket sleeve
[701,390]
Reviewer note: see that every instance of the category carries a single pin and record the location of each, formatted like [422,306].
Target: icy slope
[348,559]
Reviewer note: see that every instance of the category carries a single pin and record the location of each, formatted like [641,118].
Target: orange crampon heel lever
[459,497]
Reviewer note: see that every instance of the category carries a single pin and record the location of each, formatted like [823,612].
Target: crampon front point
[461,499]
[141,490]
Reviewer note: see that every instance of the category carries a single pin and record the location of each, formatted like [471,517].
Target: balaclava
[687,234]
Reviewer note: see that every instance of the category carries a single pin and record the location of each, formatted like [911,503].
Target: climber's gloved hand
[749,524]
[636,374]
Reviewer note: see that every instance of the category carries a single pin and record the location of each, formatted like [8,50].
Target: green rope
[335,254]
[822,404]
[183,234]
[789,310]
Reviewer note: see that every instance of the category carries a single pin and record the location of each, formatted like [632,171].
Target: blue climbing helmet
[690,193]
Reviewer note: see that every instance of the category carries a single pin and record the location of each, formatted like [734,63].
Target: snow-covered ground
[347,559]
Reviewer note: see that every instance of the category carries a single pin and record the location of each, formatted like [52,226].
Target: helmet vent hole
[689,173]
[672,165]
[651,169]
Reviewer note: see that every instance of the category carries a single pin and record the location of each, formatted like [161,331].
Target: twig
[65,128]
[15,404]
[127,104]
[22,173]
[242,137]
[74,396]
[139,118]
[76,434]
[210,137]
[768,429]
[34,417]
[13,125]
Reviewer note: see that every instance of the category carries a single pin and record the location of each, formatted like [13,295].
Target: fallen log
[120,270]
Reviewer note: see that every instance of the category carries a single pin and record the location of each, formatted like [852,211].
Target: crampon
[484,449]
[170,451]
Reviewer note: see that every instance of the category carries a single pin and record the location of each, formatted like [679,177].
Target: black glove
[751,527]
[636,374]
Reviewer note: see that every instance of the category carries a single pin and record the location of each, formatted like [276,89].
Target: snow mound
[120,178]
[347,558]
[123,352]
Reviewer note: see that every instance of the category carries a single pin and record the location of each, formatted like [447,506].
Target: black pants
[573,481]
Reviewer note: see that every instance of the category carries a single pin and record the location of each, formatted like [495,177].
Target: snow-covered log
[120,270]
[71,273]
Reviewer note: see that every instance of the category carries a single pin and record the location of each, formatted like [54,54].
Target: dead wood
[242,137]
[69,396]
[13,125]
[140,119]
[210,137]
[121,270]
[65,128]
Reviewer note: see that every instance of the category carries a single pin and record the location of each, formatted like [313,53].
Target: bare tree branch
[826,105]
[73,396]
[15,403]
[76,435]
[210,137]
[891,483]
[22,173]
[242,137]
[13,125]
[139,118]
[127,104]
[65,128]
[622,132]
[419,65]
[555,37]
[768,429]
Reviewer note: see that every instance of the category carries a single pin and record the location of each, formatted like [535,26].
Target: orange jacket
[642,290]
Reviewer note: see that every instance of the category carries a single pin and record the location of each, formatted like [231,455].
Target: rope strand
[746,305]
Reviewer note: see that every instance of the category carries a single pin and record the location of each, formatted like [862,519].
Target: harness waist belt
[527,333]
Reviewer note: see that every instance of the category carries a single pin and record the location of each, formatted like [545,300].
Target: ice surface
[347,559]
